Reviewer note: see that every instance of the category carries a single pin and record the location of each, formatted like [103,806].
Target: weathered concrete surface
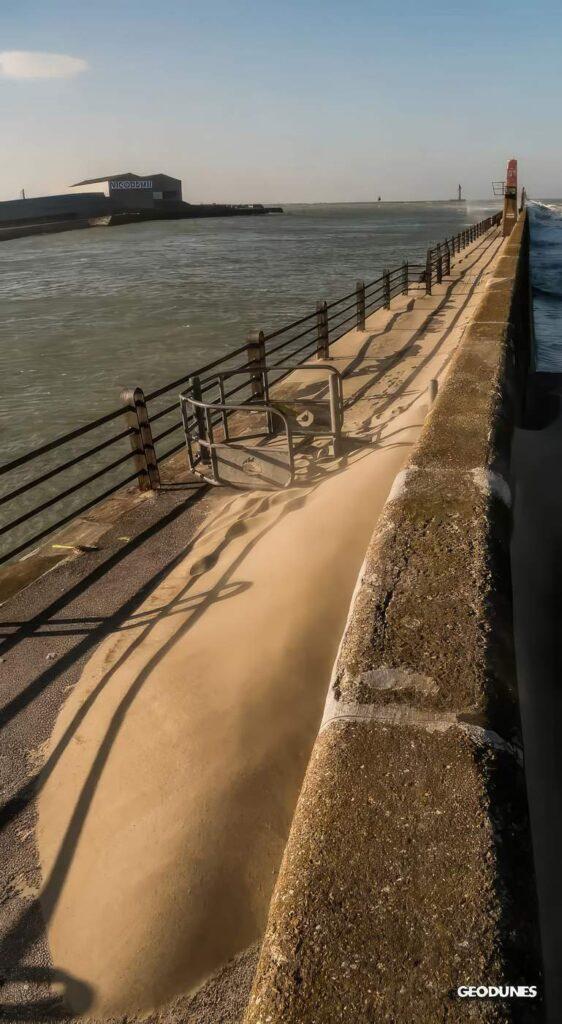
[408,871]
[388,898]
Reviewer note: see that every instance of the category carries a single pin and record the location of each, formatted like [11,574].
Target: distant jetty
[112,200]
[415,202]
[456,199]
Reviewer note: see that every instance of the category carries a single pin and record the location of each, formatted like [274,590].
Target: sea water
[545,220]
[86,313]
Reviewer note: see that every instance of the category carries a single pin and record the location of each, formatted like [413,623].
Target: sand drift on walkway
[162,826]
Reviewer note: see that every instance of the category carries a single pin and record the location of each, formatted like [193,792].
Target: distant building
[53,209]
[128,191]
[95,199]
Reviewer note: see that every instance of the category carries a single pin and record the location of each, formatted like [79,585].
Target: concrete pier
[134,695]
[408,873]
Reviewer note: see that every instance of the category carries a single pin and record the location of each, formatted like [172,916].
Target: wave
[549,208]
[547,293]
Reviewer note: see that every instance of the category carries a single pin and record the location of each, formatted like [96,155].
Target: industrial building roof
[123,174]
[107,177]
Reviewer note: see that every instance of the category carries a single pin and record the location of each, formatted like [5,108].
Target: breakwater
[409,873]
[128,626]
[42,222]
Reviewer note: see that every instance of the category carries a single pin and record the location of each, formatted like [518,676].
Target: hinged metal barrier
[223,449]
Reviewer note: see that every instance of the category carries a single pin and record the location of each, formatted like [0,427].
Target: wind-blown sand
[162,826]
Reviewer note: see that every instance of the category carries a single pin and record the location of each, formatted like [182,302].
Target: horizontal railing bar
[202,369]
[66,519]
[288,327]
[295,353]
[239,387]
[297,337]
[61,469]
[165,433]
[380,288]
[376,280]
[377,303]
[176,448]
[163,412]
[339,312]
[345,321]
[336,302]
[65,494]
[56,443]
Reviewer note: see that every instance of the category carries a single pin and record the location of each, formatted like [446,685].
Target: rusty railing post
[439,264]
[142,445]
[197,394]
[428,269]
[386,288]
[448,271]
[255,349]
[405,277]
[322,334]
[360,295]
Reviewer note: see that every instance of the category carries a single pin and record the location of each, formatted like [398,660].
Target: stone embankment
[408,872]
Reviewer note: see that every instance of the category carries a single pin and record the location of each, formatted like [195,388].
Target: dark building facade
[96,197]
[129,191]
[46,209]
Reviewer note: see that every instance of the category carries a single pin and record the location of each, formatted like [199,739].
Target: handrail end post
[142,444]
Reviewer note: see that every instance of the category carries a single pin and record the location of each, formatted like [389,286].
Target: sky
[316,101]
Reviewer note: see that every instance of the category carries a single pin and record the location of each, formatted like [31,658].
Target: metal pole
[439,264]
[200,419]
[386,287]
[142,445]
[406,277]
[360,294]
[428,273]
[334,412]
[256,350]
[322,335]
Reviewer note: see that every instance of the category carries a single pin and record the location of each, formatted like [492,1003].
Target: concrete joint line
[486,480]
[491,483]
[405,716]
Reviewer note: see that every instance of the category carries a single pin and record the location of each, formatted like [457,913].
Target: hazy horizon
[328,103]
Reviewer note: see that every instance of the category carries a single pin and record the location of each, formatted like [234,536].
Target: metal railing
[152,419]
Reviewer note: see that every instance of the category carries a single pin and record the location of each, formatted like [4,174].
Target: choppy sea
[546,275]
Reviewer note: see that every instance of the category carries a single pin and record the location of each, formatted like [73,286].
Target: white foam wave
[555,208]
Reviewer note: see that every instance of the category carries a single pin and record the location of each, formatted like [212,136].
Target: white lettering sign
[137,183]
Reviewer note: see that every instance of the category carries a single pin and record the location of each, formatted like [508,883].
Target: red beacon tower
[510,199]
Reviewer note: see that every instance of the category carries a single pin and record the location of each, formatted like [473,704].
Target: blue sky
[262,101]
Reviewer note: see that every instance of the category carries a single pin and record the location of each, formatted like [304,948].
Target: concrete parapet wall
[408,872]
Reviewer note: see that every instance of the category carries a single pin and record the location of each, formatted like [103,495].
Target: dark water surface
[546,273]
[84,313]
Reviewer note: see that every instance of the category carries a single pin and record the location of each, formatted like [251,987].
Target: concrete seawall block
[389,897]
